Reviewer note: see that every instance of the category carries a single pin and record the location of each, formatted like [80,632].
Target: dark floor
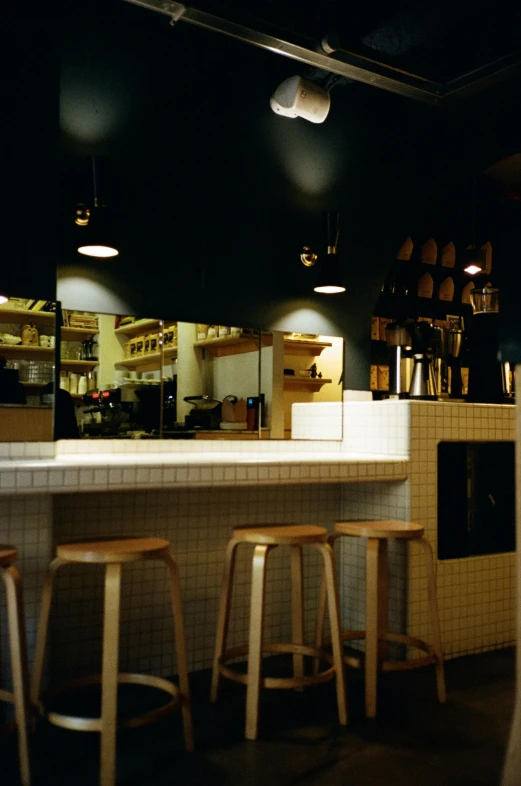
[414,740]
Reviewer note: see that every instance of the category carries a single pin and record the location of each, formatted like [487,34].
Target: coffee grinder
[453,347]
[485,370]
[423,384]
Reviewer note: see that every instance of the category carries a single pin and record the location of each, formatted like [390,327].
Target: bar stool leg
[18,648]
[321,611]
[376,617]
[223,616]
[297,607]
[334,620]
[435,619]
[109,676]
[383,599]
[258,593]
[42,630]
[180,643]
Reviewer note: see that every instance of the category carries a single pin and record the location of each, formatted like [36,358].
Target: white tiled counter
[189,493]
[112,467]
[476,594]
[194,494]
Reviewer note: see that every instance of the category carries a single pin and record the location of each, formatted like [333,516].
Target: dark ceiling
[439,40]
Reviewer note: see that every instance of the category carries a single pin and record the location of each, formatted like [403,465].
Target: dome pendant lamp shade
[330,274]
[96,230]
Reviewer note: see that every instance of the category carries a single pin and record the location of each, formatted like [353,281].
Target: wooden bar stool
[113,554]
[377,634]
[18,648]
[266,538]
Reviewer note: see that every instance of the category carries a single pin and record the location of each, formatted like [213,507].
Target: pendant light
[330,274]
[97,240]
[473,258]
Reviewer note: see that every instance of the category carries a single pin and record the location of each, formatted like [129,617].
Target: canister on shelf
[146,344]
[133,347]
[73,383]
[140,345]
[201,331]
[154,342]
[224,330]
[82,385]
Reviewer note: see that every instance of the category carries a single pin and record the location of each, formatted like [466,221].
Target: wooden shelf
[78,365]
[136,328]
[169,353]
[27,353]
[77,334]
[303,383]
[298,346]
[15,316]
[233,345]
[152,359]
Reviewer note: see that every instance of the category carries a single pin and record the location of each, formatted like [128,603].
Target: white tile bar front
[190,494]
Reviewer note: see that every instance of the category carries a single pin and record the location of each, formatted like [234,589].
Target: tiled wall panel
[198,523]
[26,523]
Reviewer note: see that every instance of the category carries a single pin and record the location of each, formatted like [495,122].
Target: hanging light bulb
[473,260]
[330,274]
[95,223]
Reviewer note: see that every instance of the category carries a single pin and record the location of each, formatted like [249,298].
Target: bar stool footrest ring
[279,683]
[395,638]
[78,723]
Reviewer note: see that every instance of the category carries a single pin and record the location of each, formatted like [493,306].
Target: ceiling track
[342,62]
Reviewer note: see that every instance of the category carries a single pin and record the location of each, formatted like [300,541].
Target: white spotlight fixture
[299,97]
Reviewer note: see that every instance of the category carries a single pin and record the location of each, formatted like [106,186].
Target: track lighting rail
[342,62]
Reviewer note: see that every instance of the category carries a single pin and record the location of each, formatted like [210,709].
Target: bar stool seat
[376,634]
[19,696]
[264,538]
[114,553]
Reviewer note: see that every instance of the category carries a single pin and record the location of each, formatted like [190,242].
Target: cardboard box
[383,377]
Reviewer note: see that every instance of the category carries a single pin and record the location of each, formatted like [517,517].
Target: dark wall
[215,194]
[30,180]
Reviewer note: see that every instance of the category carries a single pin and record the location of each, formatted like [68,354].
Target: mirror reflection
[27,362]
[148,378]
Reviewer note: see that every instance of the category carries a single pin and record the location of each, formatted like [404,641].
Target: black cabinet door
[476,500]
